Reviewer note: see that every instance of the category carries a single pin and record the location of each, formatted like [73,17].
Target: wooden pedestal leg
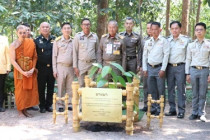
[54,107]
[136,83]
[66,107]
[87,81]
[161,110]
[75,105]
[149,98]
[129,111]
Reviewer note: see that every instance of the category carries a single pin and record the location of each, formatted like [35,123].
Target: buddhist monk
[24,57]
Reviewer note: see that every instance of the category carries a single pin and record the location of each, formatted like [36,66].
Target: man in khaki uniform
[133,44]
[85,46]
[63,63]
[5,67]
[197,70]
[155,60]
[176,69]
[112,47]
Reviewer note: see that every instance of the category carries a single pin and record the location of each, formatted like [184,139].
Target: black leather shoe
[2,109]
[61,110]
[170,114]
[193,117]
[144,109]
[180,115]
[42,110]
[34,108]
[157,113]
[49,109]
[70,108]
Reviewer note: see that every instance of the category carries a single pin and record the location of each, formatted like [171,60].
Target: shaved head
[20,27]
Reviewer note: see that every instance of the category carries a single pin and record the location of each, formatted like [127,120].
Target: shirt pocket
[205,53]
[62,48]
[91,45]
[195,52]
[180,49]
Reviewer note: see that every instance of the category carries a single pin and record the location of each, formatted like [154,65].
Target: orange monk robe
[26,89]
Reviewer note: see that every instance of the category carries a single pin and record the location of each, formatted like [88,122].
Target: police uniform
[63,66]
[133,45]
[145,87]
[197,65]
[176,72]
[112,49]
[84,53]
[45,73]
[155,58]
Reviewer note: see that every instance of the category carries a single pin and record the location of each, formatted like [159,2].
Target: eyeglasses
[197,30]
[86,25]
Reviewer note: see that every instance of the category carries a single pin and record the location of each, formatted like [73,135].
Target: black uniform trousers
[2,84]
[45,78]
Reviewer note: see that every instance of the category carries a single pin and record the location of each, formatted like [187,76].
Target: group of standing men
[155,56]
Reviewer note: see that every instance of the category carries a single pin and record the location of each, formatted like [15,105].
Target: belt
[155,66]
[199,67]
[88,61]
[175,65]
[65,65]
[130,57]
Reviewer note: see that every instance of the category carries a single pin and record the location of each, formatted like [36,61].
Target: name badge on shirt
[134,40]
[81,38]
[40,41]
[115,50]
[109,49]
[181,42]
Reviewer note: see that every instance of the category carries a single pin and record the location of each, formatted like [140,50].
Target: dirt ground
[40,127]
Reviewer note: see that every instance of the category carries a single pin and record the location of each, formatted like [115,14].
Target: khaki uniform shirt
[112,49]
[5,64]
[198,54]
[84,50]
[178,49]
[62,52]
[133,45]
[156,52]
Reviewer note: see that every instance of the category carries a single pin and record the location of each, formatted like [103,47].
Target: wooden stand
[149,104]
[129,117]
[136,83]
[65,113]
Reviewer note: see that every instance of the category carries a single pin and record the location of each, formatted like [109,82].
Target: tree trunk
[140,23]
[102,18]
[167,17]
[185,16]
[116,11]
[198,11]
[190,20]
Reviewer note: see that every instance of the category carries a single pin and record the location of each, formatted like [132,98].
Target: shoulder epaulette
[136,33]
[104,35]
[58,38]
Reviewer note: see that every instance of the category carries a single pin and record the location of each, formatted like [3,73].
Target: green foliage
[107,72]
[9,83]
